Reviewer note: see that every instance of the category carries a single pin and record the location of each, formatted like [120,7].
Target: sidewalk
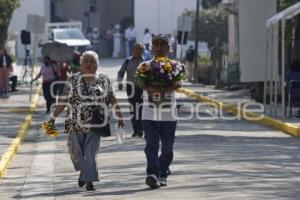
[240,99]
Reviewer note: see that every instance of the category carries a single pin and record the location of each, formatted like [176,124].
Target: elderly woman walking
[83,93]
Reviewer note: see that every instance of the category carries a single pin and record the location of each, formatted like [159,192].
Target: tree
[7,8]
[213,30]
[210,3]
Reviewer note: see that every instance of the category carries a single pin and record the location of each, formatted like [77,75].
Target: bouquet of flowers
[160,72]
[49,129]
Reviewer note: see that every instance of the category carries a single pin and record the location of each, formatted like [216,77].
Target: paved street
[214,159]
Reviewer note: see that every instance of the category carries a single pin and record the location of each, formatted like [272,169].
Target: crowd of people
[130,38]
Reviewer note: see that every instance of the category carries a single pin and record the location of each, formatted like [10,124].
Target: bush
[204,70]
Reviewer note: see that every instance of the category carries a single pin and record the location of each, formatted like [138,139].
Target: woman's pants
[48,95]
[4,81]
[165,131]
[83,149]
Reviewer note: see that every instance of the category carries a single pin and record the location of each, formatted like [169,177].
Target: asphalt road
[214,159]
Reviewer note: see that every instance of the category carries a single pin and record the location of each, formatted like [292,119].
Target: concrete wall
[113,11]
[252,37]
[19,20]
[107,12]
[71,10]
[160,16]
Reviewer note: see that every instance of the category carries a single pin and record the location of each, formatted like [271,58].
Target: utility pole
[196,41]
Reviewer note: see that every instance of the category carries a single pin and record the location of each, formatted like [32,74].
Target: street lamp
[196,40]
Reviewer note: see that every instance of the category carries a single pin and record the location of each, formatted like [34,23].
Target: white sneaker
[163,181]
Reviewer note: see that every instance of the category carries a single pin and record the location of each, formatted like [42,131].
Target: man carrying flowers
[159,78]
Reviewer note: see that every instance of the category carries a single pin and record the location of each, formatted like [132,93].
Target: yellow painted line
[18,110]
[287,128]
[14,146]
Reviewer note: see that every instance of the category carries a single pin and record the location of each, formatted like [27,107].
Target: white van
[69,33]
[72,37]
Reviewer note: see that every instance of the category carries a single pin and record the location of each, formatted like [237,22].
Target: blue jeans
[155,131]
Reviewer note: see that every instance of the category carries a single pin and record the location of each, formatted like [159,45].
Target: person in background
[147,38]
[13,79]
[147,54]
[130,36]
[189,59]
[79,91]
[47,72]
[64,70]
[173,46]
[110,40]
[293,73]
[5,65]
[95,39]
[75,66]
[134,92]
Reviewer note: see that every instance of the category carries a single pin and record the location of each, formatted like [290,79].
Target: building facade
[159,16]
[94,13]
[19,21]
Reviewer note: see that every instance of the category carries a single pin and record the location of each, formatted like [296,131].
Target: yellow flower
[161,59]
[49,129]
[168,67]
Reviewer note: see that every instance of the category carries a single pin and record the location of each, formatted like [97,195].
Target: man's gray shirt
[129,66]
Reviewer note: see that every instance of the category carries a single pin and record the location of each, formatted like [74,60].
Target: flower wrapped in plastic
[49,129]
[160,72]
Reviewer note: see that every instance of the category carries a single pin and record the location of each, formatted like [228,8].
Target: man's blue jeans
[155,131]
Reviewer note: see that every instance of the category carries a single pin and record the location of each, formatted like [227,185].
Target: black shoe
[80,183]
[134,135]
[89,186]
[140,134]
[152,181]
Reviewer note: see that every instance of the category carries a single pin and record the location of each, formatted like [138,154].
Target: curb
[14,146]
[287,128]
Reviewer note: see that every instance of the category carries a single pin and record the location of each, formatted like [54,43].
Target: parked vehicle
[69,33]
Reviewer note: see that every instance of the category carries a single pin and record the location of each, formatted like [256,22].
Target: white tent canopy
[284,15]
[272,58]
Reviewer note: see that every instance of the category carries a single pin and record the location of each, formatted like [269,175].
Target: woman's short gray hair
[90,53]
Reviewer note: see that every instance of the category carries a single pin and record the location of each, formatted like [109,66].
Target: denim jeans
[155,131]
